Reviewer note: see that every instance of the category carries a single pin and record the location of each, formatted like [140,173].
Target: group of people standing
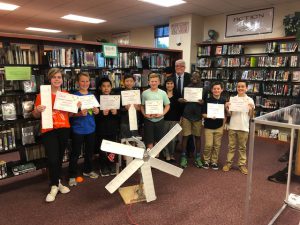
[90,127]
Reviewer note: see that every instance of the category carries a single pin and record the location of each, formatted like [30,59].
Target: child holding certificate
[107,127]
[172,117]
[125,127]
[55,140]
[83,132]
[239,127]
[191,123]
[214,120]
[155,104]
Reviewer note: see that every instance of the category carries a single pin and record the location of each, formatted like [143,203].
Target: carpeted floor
[200,197]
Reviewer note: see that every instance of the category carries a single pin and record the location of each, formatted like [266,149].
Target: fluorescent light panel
[43,30]
[83,19]
[6,6]
[165,3]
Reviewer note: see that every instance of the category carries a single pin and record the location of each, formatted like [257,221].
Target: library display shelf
[271,68]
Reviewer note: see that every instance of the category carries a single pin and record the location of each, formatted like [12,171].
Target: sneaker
[63,189]
[243,169]
[214,166]
[227,167]
[183,162]
[72,182]
[91,174]
[198,162]
[205,165]
[113,171]
[104,172]
[168,158]
[53,192]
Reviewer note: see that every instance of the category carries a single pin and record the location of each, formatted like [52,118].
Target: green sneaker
[183,162]
[198,162]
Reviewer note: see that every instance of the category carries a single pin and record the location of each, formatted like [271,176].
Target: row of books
[7,139]
[3,169]
[261,75]
[70,57]
[15,54]
[273,133]
[35,152]
[204,50]
[262,61]
[273,103]
[229,49]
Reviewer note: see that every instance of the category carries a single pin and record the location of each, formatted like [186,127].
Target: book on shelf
[294,61]
[271,47]
[3,169]
[218,50]
[296,90]
[288,47]
[296,76]
[204,50]
[204,62]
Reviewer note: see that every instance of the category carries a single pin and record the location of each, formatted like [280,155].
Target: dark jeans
[55,143]
[89,144]
[104,161]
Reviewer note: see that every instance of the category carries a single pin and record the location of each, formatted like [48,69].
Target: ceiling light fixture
[43,30]
[83,19]
[165,3]
[6,6]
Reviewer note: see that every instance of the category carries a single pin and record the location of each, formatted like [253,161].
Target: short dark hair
[217,83]
[128,76]
[168,70]
[104,80]
[242,81]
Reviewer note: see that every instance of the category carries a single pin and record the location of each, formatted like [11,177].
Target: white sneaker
[72,182]
[63,189]
[91,174]
[51,196]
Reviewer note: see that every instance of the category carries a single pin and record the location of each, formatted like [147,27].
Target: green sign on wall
[17,73]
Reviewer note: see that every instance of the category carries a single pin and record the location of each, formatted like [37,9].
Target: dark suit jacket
[186,81]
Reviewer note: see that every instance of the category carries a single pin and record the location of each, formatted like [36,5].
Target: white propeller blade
[165,140]
[148,182]
[110,146]
[124,175]
[165,167]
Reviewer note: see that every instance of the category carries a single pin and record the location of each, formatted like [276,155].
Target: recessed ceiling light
[43,30]
[6,6]
[165,3]
[83,19]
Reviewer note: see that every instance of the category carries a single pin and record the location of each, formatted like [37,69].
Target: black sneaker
[214,166]
[104,172]
[205,165]
[113,170]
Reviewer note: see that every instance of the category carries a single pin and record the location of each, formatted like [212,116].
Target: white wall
[218,23]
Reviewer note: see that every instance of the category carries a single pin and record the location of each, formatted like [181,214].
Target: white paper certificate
[192,94]
[88,101]
[109,102]
[154,106]
[238,104]
[66,102]
[215,110]
[131,97]
[132,118]
[46,100]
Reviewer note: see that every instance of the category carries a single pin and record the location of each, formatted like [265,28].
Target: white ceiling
[121,15]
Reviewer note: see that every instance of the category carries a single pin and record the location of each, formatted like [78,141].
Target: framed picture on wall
[250,23]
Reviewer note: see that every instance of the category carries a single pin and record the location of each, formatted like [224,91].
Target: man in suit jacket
[181,78]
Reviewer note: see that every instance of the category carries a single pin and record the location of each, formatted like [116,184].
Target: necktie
[179,85]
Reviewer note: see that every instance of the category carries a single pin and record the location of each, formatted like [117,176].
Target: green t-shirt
[155,95]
